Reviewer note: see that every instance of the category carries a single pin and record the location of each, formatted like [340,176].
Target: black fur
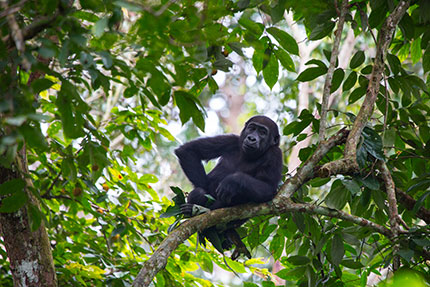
[249,167]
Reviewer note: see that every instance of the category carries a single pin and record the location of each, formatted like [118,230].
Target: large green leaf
[337,249]
[285,40]
[322,30]
[311,73]
[338,195]
[426,60]
[271,71]
[338,76]
[12,186]
[350,81]
[285,59]
[13,202]
[357,59]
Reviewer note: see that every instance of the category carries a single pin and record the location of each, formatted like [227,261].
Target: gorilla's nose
[251,138]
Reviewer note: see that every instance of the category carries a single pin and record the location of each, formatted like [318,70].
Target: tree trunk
[29,252]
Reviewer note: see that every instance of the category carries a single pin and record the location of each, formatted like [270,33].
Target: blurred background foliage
[101,92]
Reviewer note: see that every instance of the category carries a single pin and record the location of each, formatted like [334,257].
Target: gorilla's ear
[275,140]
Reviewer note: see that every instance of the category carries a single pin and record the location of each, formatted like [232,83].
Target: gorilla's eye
[262,132]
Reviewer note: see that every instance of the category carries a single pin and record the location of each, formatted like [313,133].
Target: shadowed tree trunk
[31,261]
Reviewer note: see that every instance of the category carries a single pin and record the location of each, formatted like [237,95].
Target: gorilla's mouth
[250,146]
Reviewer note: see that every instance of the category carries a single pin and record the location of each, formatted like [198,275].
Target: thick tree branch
[221,216]
[330,72]
[384,39]
[409,202]
[306,172]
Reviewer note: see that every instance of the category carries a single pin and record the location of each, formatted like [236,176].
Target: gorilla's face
[255,138]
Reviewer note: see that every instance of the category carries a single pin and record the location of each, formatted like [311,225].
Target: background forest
[95,95]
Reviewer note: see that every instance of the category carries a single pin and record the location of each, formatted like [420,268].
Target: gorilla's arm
[192,153]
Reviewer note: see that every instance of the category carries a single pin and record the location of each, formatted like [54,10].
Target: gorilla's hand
[229,189]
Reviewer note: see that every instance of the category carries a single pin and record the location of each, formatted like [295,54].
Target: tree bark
[29,252]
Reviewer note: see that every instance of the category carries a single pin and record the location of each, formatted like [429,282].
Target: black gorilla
[249,168]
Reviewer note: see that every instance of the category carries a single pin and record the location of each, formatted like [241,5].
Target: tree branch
[390,188]
[330,72]
[220,216]
[409,202]
[16,35]
[384,39]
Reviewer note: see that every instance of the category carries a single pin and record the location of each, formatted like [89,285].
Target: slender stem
[330,72]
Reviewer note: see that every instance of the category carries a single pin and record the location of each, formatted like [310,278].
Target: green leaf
[255,28]
[171,211]
[317,62]
[13,202]
[271,71]
[69,169]
[351,185]
[125,4]
[188,108]
[338,76]
[357,59]
[406,254]
[338,195]
[179,199]
[311,73]
[373,143]
[321,31]
[416,52]
[99,27]
[299,260]
[223,64]
[236,266]
[356,94]
[285,40]
[394,63]
[40,85]
[352,264]
[35,217]
[337,249]
[34,137]
[236,47]
[285,59]
[426,60]
[12,186]
[257,60]
[277,246]
[420,201]
[350,81]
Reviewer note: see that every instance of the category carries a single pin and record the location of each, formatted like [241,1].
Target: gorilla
[248,170]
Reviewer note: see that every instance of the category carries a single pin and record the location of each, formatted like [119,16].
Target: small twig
[330,72]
